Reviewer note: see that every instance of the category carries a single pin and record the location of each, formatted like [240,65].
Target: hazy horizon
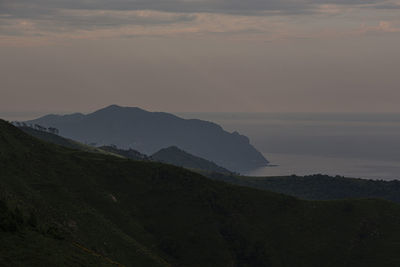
[255,56]
[28,115]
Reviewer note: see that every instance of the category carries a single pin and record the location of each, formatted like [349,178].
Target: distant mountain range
[148,132]
[171,155]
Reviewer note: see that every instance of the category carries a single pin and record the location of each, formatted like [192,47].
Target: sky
[200,55]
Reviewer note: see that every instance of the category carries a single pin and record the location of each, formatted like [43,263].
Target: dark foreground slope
[150,214]
[148,132]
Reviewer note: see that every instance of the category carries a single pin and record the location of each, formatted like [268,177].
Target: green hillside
[175,156]
[318,186]
[73,207]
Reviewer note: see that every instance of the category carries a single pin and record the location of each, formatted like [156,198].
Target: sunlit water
[353,145]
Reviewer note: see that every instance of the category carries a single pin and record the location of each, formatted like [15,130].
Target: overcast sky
[200,55]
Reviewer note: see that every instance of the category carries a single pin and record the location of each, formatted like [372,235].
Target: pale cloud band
[273,19]
[32,8]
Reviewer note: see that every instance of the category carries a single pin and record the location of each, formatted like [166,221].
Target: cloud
[79,18]
[88,19]
[387,5]
[144,23]
[382,27]
[43,8]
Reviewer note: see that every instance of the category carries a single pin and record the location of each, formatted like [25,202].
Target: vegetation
[96,207]
[318,186]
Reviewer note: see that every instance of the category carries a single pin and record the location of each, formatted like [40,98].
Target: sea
[359,145]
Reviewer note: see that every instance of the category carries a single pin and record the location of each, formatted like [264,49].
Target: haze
[252,56]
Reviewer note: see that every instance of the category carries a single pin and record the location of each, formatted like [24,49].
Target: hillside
[148,132]
[142,213]
[175,156]
[318,186]
[59,140]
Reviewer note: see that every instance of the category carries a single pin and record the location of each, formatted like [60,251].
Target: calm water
[354,145]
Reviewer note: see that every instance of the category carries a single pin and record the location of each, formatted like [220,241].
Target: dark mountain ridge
[148,132]
[127,153]
[176,156]
[171,155]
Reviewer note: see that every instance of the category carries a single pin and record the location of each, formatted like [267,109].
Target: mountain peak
[112,107]
[115,107]
[173,148]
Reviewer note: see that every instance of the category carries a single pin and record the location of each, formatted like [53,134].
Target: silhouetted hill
[63,204]
[148,132]
[127,153]
[175,156]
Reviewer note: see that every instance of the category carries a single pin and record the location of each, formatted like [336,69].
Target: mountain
[67,207]
[312,187]
[171,155]
[175,156]
[148,132]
